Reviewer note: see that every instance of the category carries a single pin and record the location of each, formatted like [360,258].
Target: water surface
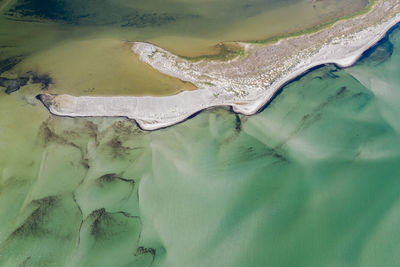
[312,180]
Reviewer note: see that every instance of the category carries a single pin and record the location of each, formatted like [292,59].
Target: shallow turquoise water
[313,180]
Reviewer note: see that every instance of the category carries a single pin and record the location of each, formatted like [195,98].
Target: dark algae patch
[141,20]
[8,63]
[34,223]
[238,123]
[89,12]
[117,148]
[379,54]
[44,79]
[111,177]
[13,85]
[51,9]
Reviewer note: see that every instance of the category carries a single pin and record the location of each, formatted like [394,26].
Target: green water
[313,180]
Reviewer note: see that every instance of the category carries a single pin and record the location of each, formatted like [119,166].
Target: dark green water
[313,180]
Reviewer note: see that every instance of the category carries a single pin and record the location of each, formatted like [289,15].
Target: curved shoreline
[247,84]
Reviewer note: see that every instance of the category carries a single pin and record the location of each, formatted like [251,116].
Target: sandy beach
[245,83]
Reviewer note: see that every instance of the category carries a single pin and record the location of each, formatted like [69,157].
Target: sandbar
[246,83]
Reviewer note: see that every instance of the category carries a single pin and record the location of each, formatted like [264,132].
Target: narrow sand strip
[245,83]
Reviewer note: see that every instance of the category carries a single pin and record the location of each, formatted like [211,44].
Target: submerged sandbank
[246,83]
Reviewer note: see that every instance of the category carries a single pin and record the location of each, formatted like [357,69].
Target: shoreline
[341,63]
[246,84]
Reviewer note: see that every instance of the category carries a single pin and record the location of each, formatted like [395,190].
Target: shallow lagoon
[81,44]
[311,180]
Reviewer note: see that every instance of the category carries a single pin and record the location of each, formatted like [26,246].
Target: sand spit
[246,83]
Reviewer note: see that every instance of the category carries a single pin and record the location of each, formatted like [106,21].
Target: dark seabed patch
[34,223]
[88,13]
[8,63]
[43,79]
[238,124]
[13,85]
[111,177]
[381,51]
[379,54]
